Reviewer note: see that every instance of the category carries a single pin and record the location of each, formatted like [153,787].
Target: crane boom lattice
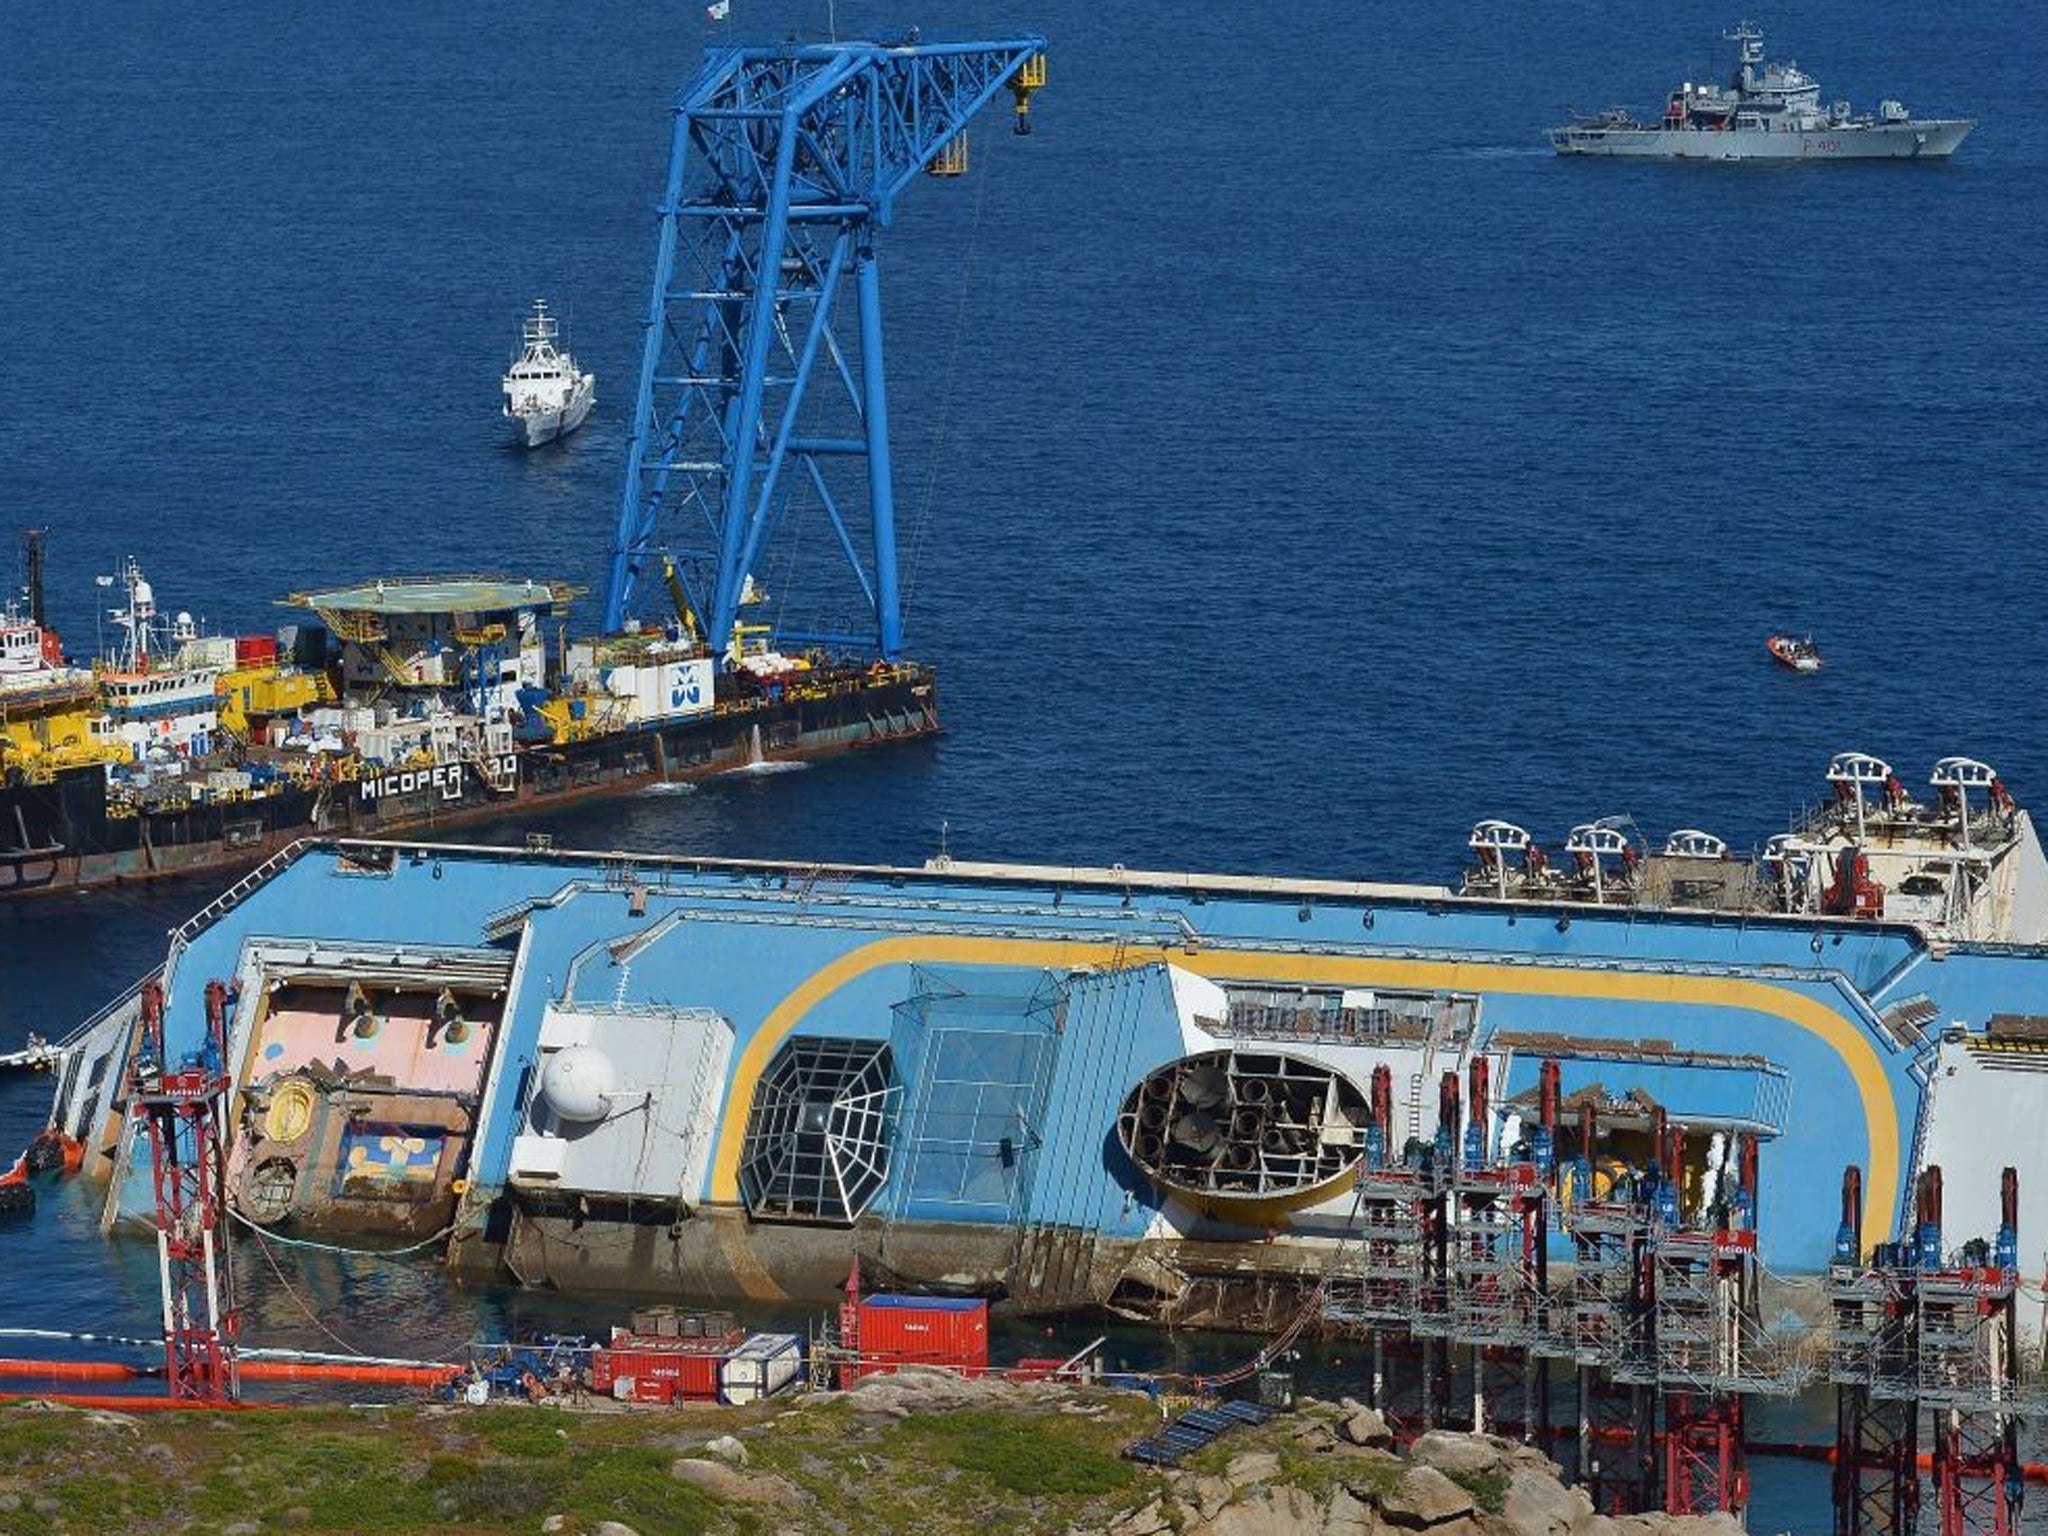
[762,385]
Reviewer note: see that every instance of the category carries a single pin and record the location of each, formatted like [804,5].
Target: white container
[763,1366]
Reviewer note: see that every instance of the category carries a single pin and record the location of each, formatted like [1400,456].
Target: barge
[400,705]
[1150,1094]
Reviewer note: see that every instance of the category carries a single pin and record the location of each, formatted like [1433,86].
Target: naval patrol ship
[1768,111]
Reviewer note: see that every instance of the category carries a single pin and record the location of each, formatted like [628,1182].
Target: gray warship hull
[1935,139]
[1770,109]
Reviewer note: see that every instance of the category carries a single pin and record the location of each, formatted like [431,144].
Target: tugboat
[1768,111]
[1799,655]
[546,395]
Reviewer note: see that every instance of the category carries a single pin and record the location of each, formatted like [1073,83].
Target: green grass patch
[633,1486]
[1316,1475]
[492,1493]
[1489,1489]
[28,1437]
[1037,1455]
[1023,1470]
[530,1433]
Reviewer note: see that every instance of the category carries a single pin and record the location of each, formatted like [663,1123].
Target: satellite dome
[577,1084]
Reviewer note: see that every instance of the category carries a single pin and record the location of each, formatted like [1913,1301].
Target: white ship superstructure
[159,690]
[1966,868]
[546,395]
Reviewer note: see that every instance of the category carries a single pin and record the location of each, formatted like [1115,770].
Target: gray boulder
[728,1483]
[1538,1505]
[1151,1520]
[1367,1426]
[1349,1515]
[1459,1455]
[1266,1512]
[1251,1467]
[1423,1498]
[726,1448]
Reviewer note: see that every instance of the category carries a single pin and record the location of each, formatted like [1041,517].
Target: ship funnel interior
[1244,1125]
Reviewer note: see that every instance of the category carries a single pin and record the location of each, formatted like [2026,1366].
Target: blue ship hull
[727,1077]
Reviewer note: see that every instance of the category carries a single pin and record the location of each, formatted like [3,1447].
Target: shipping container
[762,1367]
[925,1330]
[646,1389]
[673,1323]
[254,650]
[659,1370]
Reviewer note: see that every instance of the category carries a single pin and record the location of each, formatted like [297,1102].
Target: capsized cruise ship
[1145,1092]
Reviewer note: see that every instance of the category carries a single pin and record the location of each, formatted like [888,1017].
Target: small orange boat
[17,1195]
[1799,655]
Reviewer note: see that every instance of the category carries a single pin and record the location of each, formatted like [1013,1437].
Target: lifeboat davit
[1799,655]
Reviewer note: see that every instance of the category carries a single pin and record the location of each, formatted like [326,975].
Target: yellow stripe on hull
[1855,1050]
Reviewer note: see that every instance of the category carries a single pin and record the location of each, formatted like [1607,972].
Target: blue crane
[784,166]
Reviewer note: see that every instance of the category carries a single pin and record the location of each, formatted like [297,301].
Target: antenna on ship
[32,574]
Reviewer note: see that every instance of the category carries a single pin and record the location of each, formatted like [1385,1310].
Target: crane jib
[762,399]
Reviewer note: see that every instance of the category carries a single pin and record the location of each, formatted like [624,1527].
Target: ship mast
[135,619]
[32,574]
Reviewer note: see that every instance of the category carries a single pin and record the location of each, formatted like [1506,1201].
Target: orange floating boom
[377,1375]
[72,1370]
[2033,1471]
[125,1403]
[250,1370]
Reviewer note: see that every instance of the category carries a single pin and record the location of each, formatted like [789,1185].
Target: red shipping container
[925,1330]
[255,650]
[661,1370]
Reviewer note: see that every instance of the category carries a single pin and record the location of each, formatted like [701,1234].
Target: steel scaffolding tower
[784,167]
[1927,1341]
[1661,1319]
[181,1108]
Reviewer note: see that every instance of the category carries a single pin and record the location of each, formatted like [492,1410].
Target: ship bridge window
[817,1142]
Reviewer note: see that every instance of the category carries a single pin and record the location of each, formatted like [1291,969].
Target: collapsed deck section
[729,1077]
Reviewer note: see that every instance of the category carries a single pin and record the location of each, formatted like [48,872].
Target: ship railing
[506,921]
[121,1000]
[237,893]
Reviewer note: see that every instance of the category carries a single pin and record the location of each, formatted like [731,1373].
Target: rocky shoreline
[1445,1484]
[920,1453]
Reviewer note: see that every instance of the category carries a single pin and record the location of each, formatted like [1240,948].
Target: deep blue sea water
[1301,463]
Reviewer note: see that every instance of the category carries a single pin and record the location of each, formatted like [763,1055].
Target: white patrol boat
[546,395]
